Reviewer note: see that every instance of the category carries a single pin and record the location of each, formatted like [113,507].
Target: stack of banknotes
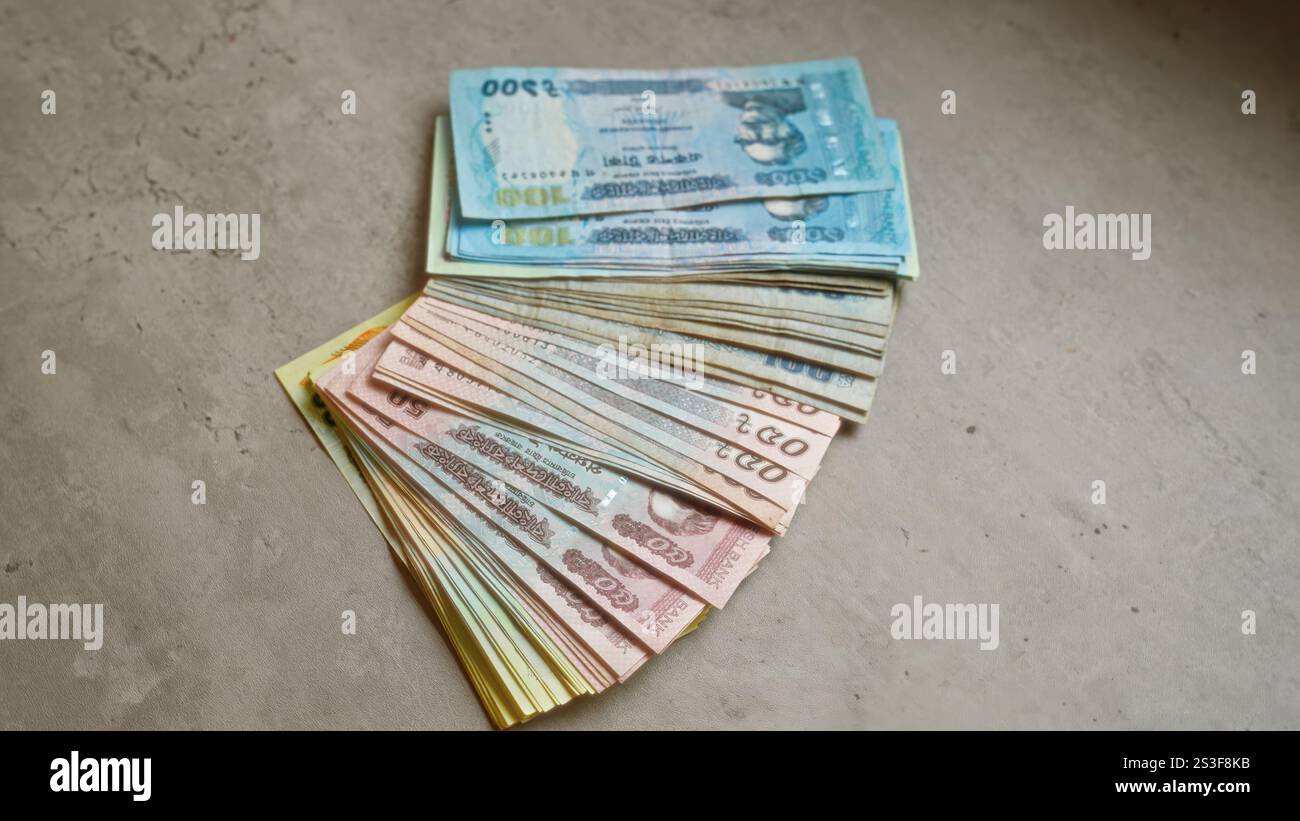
[654,297]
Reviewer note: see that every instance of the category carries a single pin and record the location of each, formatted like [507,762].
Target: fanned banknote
[656,299]
[529,639]
[548,142]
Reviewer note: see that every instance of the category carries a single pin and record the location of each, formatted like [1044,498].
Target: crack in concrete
[122,38]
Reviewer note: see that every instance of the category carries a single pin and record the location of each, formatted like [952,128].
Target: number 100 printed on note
[548,142]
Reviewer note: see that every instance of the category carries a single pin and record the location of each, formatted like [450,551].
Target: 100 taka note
[783,230]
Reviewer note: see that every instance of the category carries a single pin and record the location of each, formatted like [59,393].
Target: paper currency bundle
[654,297]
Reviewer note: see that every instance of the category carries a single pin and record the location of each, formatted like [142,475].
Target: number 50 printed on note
[549,142]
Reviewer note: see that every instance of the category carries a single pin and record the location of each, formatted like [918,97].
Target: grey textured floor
[973,487]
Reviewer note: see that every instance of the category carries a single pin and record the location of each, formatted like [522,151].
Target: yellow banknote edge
[296,379]
[505,703]
[492,677]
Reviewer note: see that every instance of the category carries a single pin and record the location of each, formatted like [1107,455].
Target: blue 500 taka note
[550,142]
[843,226]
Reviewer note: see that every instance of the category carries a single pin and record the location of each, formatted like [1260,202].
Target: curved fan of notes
[592,423]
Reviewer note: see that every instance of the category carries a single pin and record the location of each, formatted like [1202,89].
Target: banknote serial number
[509,87]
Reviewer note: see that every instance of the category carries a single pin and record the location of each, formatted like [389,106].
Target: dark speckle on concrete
[970,429]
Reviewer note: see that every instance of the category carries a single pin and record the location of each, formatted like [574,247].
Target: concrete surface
[973,487]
